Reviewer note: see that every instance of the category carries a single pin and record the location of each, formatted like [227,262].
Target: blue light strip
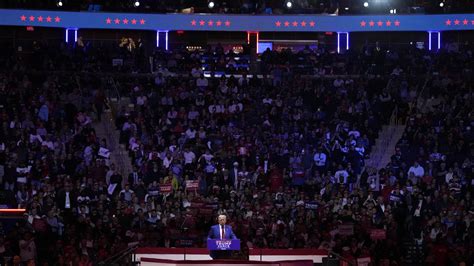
[339,41]
[224,22]
[430,41]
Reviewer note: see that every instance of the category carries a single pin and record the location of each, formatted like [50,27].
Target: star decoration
[202,22]
[363,23]
[371,23]
[32,18]
[311,24]
[448,22]
[142,21]
[134,21]
[210,23]
[57,19]
[48,19]
[287,23]
[397,23]
[125,21]
[23,18]
[40,19]
[295,24]
[193,22]
[227,23]
[456,22]
[218,23]
[278,23]
[472,22]
[108,21]
[117,21]
[388,23]
[303,24]
[465,21]
[380,23]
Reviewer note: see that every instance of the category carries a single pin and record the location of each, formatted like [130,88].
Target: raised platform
[162,262]
[201,255]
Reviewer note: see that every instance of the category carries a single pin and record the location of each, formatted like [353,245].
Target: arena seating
[281,152]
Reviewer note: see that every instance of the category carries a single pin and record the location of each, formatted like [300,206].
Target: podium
[223,244]
[222,248]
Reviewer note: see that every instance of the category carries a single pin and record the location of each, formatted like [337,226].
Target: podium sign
[223,244]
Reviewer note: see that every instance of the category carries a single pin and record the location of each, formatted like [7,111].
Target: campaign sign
[223,244]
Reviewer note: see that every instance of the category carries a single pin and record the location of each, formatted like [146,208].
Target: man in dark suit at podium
[221,231]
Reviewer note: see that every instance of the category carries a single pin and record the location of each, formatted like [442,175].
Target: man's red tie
[222,232]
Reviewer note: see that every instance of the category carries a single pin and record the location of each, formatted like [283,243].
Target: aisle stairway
[118,155]
[384,146]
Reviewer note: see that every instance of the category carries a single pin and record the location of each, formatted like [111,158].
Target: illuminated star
[23,18]
[287,23]
[48,19]
[465,21]
[125,21]
[278,23]
[40,19]
[380,23]
[397,23]
[295,24]
[108,21]
[142,21]
[202,22]
[456,22]
[32,18]
[448,22]
[57,19]
[227,23]
[388,23]
[218,23]
[303,23]
[134,21]
[371,23]
[193,22]
[210,23]
[311,24]
[363,23]
[117,21]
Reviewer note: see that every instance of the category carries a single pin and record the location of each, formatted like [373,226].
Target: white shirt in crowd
[189,157]
[218,109]
[191,133]
[418,171]
[141,100]
[319,159]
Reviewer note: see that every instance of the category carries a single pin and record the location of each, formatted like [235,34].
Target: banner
[166,188]
[192,185]
[103,152]
[363,261]
[312,205]
[377,234]
[346,229]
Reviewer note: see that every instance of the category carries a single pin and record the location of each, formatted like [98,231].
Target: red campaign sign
[197,205]
[192,184]
[165,188]
[363,261]
[346,229]
[377,234]
[205,211]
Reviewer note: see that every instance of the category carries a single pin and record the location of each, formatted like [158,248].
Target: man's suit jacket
[215,232]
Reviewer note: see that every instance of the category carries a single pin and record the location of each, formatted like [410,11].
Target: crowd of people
[283,155]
